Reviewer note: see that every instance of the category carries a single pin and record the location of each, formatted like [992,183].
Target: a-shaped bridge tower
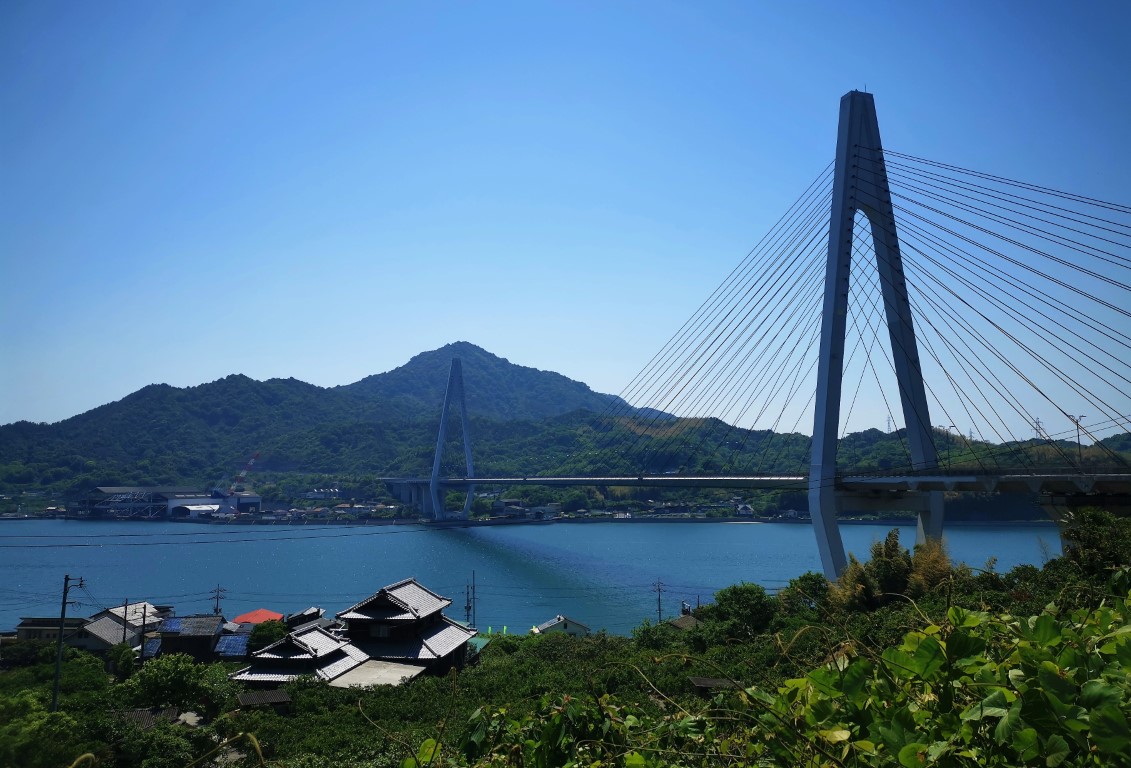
[860,184]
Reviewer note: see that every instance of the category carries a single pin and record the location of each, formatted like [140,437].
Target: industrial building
[168,502]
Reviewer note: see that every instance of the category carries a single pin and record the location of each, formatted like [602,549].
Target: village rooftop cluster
[394,635]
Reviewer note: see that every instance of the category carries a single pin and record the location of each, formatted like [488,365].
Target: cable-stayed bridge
[987,321]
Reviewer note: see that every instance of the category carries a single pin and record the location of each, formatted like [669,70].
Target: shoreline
[491,522]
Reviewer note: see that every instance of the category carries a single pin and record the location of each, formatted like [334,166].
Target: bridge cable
[726,289]
[1024,185]
[673,380]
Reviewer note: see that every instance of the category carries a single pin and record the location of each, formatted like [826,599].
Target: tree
[176,680]
[266,633]
[32,737]
[1097,542]
[122,659]
[743,610]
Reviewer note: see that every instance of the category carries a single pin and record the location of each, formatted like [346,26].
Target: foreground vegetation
[906,661]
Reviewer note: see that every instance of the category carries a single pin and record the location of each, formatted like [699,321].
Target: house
[142,616]
[195,635]
[47,628]
[233,647]
[561,623]
[685,622]
[280,701]
[104,632]
[312,651]
[94,635]
[258,616]
[404,623]
[389,637]
[147,718]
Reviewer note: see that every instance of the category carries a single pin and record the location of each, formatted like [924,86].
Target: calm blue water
[601,574]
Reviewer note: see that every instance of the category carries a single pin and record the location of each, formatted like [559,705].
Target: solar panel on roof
[233,645]
[171,624]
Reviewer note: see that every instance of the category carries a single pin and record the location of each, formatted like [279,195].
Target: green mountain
[495,388]
[384,423]
[523,422]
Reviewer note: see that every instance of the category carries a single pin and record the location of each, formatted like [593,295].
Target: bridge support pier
[860,184]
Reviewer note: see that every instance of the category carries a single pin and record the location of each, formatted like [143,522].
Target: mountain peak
[494,387]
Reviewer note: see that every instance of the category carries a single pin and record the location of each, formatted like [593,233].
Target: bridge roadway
[1049,483]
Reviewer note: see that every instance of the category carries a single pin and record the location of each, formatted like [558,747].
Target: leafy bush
[265,633]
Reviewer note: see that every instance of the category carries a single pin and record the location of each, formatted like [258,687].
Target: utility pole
[216,595]
[142,652]
[659,587]
[474,602]
[467,603]
[125,614]
[59,643]
[1079,445]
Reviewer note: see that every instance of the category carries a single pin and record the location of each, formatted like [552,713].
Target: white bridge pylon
[860,183]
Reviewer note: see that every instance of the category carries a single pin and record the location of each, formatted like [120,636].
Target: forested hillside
[523,422]
[166,435]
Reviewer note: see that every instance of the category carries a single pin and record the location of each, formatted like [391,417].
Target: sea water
[609,575]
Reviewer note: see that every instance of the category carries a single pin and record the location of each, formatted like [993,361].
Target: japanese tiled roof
[435,641]
[322,621]
[310,643]
[350,658]
[260,673]
[404,601]
[686,621]
[108,629]
[263,698]
[268,668]
[147,718]
[313,613]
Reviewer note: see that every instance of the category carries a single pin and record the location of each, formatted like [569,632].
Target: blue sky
[190,190]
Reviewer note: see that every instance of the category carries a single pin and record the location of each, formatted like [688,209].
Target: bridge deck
[1107,483]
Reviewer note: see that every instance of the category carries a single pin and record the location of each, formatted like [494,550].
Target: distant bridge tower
[860,183]
[435,487]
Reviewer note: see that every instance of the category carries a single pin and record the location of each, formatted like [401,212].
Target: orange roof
[258,616]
